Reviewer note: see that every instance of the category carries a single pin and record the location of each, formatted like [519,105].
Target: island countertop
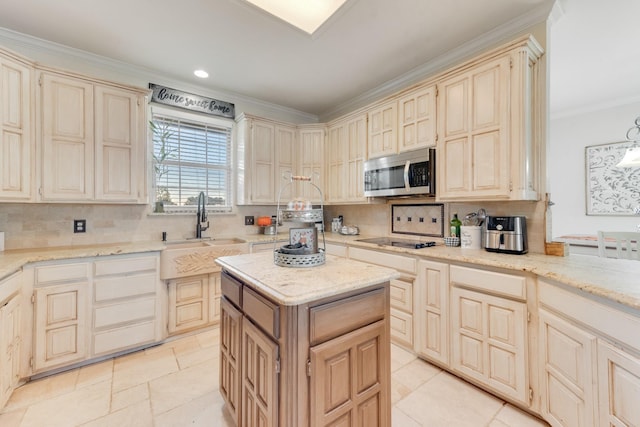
[294,286]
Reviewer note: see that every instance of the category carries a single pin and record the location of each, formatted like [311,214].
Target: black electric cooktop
[402,243]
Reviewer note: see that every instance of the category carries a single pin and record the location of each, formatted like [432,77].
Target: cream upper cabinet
[310,160]
[265,150]
[417,119]
[346,153]
[488,128]
[383,130]
[67,138]
[16,130]
[93,141]
[120,132]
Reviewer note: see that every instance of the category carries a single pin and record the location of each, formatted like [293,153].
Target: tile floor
[176,384]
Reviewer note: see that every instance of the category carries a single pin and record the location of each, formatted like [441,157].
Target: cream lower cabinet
[194,302]
[402,292]
[567,358]
[591,349]
[10,335]
[62,300]
[432,311]
[489,332]
[93,307]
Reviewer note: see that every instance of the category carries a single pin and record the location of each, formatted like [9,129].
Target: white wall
[566,168]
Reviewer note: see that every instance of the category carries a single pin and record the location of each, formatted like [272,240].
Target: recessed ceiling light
[201,73]
[307,15]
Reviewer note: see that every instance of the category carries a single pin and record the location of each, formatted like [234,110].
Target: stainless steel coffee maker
[506,234]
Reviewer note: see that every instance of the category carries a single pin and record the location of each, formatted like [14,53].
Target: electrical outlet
[79,225]
[248,220]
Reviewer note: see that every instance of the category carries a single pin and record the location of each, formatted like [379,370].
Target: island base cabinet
[349,385]
[230,339]
[619,386]
[260,369]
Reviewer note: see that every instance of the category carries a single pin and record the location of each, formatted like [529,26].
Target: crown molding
[469,49]
[34,44]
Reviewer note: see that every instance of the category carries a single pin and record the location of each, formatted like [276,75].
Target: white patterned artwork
[611,190]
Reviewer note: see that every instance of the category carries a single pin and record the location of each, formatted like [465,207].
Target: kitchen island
[305,346]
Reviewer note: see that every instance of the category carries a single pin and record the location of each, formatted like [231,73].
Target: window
[191,154]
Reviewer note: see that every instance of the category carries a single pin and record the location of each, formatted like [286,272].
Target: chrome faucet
[202,216]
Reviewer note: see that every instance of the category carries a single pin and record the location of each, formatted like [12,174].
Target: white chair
[627,244]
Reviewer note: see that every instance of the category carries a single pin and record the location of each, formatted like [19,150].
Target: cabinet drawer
[398,262]
[401,325]
[401,294]
[123,287]
[490,281]
[336,318]
[130,311]
[125,265]
[263,312]
[231,289]
[61,273]
[122,338]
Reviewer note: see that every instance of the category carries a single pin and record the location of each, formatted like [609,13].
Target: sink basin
[192,258]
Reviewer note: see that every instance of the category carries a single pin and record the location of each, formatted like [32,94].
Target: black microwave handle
[407,185]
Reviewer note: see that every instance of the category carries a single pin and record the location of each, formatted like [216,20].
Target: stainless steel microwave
[404,174]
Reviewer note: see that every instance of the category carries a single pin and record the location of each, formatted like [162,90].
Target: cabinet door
[432,312]
[488,341]
[567,356]
[401,315]
[10,344]
[356,155]
[188,303]
[336,163]
[285,139]
[16,142]
[260,372]
[230,364]
[619,386]
[474,133]
[348,377]
[263,152]
[311,162]
[382,130]
[67,138]
[417,120]
[60,325]
[119,167]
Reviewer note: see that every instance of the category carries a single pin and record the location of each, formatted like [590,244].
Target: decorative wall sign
[189,101]
[610,190]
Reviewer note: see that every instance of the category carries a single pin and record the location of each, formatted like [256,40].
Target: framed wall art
[610,190]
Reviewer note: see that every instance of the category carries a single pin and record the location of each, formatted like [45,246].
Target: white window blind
[190,157]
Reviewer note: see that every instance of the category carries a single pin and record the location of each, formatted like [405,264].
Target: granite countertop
[614,279]
[294,286]
[13,260]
